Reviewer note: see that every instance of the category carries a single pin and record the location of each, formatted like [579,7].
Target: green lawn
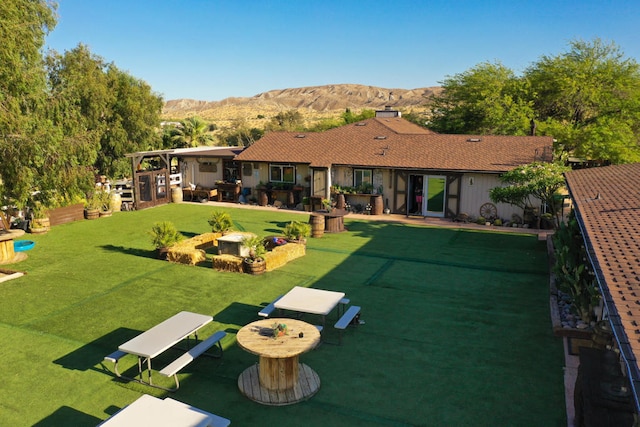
[457,324]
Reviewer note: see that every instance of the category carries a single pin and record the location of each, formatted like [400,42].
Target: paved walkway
[414,220]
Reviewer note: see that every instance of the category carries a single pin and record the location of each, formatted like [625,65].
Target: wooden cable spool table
[279,379]
[7,253]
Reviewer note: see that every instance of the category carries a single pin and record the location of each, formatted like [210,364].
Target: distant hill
[314,102]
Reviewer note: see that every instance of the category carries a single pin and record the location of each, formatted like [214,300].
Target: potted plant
[297,231]
[254,263]
[220,222]
[326,205]
[39,219]
[306,203]
[164,235]
[547,221]
[106,208]
[92,206]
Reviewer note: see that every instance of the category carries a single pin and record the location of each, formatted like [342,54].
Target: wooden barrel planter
[40,225]
[254,267]
[317,225]
[92,213]
[377,205]
[176,195]
[264,199]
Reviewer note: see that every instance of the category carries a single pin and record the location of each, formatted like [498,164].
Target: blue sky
[210,50]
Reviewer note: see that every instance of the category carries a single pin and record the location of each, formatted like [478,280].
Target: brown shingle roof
[607,205]
[397,143]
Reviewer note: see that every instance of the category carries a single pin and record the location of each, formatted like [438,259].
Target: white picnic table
[154,412]
[309,300]
[163,336]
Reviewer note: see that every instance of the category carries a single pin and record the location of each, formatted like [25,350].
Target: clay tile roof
[607,205]
[397,143]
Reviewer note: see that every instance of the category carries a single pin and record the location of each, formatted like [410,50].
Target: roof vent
[300,135]
[474,139]
[361,123]
[380,137]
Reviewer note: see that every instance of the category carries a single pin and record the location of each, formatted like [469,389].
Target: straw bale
[280,255]
[205,241]
[185,255]
[227,262]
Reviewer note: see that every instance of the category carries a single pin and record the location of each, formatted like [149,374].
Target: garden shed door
[151,188]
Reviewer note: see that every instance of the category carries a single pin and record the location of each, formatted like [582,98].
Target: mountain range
[313,102]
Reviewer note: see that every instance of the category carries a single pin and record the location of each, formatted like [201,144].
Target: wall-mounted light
[470,181]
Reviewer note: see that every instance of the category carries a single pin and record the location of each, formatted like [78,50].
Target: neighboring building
[397,158]
[606,201]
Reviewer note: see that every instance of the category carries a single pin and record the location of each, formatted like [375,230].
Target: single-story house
[606,202]
[416,170]
[384,161]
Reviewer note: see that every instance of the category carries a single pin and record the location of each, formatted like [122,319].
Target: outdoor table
[279,379]
[333,220]
[163,336]
[7,253]
[309,300]
[151,411]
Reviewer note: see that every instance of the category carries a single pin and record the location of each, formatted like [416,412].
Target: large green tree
[25,133]
[132,124]
[63,117]
[487,99]
[103,107]
[589,99]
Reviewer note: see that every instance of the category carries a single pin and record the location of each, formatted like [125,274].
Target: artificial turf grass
[456,332]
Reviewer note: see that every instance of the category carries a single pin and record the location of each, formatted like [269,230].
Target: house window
[362,178]
[282,173]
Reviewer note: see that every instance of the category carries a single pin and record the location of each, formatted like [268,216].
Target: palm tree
[191,132]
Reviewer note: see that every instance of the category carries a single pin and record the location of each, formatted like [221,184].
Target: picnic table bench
[176,366]
[162,337]
[346,319]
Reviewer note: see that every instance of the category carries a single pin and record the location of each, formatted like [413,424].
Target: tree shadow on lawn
[238,313]
[144,253]
[86,357]
[66,415]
